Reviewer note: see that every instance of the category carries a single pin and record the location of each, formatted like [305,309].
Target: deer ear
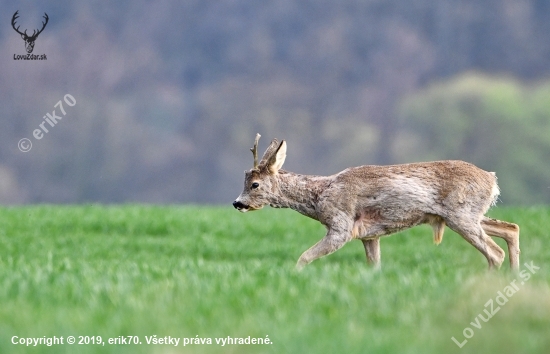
[278,158]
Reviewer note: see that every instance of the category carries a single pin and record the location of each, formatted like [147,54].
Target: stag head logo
[29,40]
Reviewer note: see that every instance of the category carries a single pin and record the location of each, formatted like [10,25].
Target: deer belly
[372,222]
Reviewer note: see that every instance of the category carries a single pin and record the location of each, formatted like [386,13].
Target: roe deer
[368,202]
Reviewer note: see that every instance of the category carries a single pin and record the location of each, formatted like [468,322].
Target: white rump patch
[495,192]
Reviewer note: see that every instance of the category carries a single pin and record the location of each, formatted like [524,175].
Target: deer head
[29,40]
[259,182]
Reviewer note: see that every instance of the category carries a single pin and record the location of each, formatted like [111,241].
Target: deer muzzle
[240,206]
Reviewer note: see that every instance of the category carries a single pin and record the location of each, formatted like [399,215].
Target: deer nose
[238,205]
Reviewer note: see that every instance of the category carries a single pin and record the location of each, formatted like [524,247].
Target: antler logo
[29,40]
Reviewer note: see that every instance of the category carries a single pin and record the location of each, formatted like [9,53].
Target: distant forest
[169,94]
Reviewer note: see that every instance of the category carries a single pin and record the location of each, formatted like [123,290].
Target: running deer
[368,202]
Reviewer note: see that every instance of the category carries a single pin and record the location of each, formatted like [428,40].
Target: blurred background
[169,94]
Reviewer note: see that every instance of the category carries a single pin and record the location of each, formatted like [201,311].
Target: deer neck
[298,192]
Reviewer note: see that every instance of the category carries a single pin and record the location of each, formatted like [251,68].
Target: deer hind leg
[472,232]
[509,232]
[332,242]
[372,250]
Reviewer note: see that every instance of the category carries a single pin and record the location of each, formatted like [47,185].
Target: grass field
[211,272]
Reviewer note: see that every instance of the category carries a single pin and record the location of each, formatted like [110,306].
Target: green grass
[114,271]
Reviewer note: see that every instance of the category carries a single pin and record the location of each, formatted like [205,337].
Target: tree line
[171,94]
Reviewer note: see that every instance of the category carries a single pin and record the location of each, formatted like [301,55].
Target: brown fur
[368,202]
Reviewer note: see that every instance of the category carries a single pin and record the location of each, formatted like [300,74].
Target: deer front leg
[372,250]
[333,241]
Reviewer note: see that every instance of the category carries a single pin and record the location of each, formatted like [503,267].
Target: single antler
[15,17]
[254,150]
[43,25]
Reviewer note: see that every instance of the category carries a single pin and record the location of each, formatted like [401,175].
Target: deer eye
[255,185]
